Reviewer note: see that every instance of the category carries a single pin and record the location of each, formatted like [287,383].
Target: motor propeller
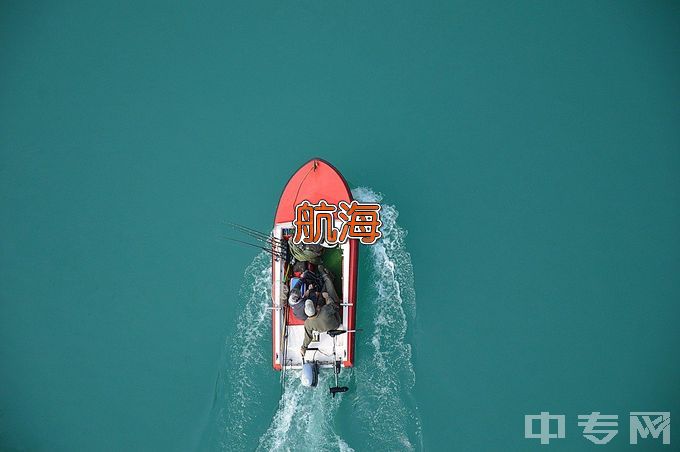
[333,333]
[338,389]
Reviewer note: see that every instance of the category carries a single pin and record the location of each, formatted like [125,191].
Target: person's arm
[295,295]
[329,300]
[308,291]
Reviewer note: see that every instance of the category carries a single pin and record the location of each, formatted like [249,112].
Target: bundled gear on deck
[306,252]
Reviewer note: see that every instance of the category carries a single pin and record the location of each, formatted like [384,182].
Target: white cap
[310,309]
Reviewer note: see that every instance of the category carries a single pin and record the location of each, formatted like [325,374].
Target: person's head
[310,309]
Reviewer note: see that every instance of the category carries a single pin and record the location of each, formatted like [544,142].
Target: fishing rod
[261,238]
[253,232]
[263,248]
[285,353]
[267,239]
[247,228]
[271,251]
[277,244]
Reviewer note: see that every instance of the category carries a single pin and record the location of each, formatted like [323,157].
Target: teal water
[530,153]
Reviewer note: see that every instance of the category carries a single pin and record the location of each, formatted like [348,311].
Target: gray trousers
[330,288]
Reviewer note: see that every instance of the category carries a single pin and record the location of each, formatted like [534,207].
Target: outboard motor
[309,376]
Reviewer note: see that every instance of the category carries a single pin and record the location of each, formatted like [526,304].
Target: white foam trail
[385,402]
[247,350]
[380,405]
[383,408]
[305,418]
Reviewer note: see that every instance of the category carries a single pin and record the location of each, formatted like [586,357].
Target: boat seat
[292,320]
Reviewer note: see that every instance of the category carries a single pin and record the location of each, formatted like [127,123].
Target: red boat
[316,180]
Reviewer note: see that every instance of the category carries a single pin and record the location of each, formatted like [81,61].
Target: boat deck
[289,331]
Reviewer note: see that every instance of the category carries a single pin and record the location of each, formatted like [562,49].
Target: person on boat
[297,298]
[325,318]
[297,301]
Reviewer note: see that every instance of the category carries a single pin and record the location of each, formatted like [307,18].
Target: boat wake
[385,403]
[236,405]
[379,412]
[305,419]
